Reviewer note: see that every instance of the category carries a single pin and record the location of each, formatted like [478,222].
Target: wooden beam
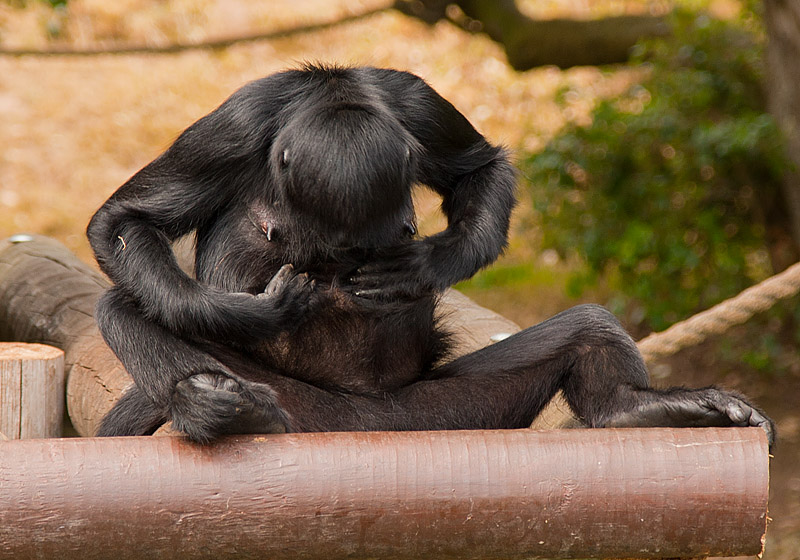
[644,493]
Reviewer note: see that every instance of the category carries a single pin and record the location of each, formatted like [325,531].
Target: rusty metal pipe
[473,494]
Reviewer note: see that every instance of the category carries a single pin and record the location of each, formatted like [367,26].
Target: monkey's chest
[342,347]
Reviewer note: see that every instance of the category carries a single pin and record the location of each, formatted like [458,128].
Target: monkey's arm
[213,162]
[475,179]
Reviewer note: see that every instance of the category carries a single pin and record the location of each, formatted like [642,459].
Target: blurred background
[658,144]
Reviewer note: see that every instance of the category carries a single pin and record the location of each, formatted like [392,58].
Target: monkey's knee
[594,319]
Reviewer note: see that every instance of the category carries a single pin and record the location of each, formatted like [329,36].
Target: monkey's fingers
[740,413]
[387,292]
[278,281]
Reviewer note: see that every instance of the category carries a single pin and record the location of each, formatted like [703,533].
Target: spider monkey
[314,298]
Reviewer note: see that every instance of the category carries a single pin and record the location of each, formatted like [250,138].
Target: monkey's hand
[290,295]
[282,306]
[400,272]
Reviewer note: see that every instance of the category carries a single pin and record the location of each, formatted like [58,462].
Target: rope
[721,317]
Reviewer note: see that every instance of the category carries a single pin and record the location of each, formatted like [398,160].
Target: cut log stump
[31,390]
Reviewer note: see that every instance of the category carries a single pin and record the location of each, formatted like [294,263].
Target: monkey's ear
[285,158]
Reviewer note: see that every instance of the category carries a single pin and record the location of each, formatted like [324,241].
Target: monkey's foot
[207,405]
[710,407]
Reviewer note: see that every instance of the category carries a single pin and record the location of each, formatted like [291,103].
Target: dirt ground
[72,129]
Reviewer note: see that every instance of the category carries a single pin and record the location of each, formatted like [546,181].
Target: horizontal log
[40,278]
[483,494]
[563,42]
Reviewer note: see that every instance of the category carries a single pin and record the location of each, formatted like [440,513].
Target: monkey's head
[348,170]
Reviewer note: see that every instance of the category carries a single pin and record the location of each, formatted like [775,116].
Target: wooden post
[31,390]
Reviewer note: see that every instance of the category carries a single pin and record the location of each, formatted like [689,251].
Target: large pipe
[481,494]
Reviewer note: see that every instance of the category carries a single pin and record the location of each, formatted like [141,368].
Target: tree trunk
[782,20]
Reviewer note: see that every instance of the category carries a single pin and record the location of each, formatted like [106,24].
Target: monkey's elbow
[98,230]
[103,233]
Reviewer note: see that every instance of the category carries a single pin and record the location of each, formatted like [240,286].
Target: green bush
[662,192]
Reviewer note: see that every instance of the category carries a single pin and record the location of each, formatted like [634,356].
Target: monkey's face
[347,171]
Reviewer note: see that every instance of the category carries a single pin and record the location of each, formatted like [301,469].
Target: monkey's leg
[172,377]
[155,357]
[134,414]
[583,351]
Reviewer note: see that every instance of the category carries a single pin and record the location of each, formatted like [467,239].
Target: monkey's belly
[342,347]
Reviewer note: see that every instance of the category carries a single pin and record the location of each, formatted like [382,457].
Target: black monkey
[313,307]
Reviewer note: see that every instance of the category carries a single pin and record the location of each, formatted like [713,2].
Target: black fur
[313,307]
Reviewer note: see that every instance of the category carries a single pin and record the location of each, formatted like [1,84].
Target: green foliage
[23,3]
[661,192]
[54,25]
[511,275]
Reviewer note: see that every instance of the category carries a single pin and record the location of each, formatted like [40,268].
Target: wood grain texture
[48,295]
[31,390]
[644,493]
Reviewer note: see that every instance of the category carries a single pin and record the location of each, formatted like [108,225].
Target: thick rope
[723,316]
